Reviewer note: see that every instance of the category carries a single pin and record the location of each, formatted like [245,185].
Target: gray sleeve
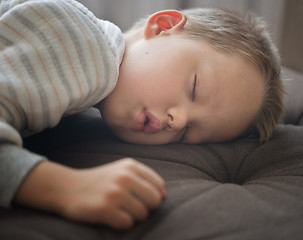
[15,164]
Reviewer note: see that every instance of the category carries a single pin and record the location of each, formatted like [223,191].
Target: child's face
[173,89]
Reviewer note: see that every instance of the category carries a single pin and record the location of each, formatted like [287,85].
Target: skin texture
[197,93]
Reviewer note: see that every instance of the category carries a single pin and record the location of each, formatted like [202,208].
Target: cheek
[113,110]
[163,94]
[159,85]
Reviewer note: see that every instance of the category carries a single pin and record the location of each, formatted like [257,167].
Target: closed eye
[193,99]
[194,89]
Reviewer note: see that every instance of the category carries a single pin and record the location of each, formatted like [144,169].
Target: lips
[147,122]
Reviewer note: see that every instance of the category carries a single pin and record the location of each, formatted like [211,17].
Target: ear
[163,21]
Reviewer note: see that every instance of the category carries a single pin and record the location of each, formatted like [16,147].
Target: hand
[116,194]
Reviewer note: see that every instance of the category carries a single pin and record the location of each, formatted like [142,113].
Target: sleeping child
[191,76]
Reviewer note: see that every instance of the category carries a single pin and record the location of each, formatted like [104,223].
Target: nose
[176,119]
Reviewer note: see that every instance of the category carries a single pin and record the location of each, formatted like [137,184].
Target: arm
[15,163]
[115,194]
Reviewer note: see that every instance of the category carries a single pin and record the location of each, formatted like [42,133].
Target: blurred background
[284,18]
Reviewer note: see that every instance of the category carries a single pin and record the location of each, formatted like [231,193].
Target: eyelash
[193,99]
[194,89]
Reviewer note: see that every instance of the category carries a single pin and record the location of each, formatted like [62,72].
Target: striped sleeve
[56,59]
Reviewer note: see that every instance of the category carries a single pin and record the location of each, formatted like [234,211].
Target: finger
[135,207]
[145,173]
[151,176]
[118,219]
[146,192]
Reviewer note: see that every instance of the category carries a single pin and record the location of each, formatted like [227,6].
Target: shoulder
[114,38]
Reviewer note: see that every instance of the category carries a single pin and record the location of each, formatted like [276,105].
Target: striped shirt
[56,59]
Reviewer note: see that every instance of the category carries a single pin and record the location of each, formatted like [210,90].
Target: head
[201,75]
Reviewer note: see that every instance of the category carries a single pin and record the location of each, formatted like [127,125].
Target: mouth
[147,122]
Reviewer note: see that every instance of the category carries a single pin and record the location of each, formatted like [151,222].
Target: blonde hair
[245,35]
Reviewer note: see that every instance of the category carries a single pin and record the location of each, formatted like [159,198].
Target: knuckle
[114,195]
[131,164]
[124,178]
[106,206]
